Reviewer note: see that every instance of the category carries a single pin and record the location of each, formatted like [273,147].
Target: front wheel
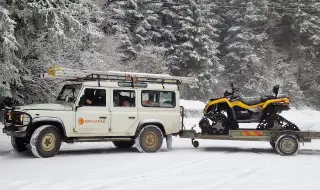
[123,144]
[149,139]
[19,143]
[45,141]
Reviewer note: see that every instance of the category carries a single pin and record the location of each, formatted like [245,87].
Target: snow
[215,165]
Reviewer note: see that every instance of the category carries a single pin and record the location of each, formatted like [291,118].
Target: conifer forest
[253,43]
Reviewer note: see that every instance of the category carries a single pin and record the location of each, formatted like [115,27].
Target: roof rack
[91,75]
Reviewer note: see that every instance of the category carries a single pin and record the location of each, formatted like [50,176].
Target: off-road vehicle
[125,108]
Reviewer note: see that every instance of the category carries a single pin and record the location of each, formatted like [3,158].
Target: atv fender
[284,101]
[215,102]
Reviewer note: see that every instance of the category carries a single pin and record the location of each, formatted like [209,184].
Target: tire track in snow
[4,154]
[236,177]
[142,178]
[155,180]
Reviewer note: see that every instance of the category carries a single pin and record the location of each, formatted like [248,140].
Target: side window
[94,97]
[162,99]
[124,98]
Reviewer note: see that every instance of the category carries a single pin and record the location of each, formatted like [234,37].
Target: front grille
[12,118]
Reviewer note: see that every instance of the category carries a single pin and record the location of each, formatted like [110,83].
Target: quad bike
[225,113]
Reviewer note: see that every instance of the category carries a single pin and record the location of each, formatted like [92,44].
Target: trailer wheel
[195,143]
[287,145]
[273,144]
[19,143]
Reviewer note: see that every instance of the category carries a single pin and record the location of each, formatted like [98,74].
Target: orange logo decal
[80,121]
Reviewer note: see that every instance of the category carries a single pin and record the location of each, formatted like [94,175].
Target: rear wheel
[19,143]
[149,139]
[45,141]
[123,144]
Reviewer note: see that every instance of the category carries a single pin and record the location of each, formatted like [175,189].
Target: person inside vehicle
[119,100]
[100,99]
[88,95]
[150,100]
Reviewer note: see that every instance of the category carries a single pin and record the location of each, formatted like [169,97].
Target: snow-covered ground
[214,165]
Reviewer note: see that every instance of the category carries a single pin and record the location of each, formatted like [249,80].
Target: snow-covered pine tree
[51,33]
[9,62]
[297,27]
[193,45]
[245,46]
[307,27]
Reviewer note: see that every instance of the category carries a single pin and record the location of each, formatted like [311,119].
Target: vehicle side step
[97,139]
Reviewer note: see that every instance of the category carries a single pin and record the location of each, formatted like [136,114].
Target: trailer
[285,142]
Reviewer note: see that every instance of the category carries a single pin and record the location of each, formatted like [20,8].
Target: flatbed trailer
[285,142]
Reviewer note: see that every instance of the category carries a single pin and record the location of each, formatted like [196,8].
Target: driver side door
[93,117]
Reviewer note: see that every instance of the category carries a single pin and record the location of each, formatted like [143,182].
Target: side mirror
[276,89]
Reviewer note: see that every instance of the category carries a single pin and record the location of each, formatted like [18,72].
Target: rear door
[94,118]
[124,112]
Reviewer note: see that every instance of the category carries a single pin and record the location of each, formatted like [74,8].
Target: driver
[88,93]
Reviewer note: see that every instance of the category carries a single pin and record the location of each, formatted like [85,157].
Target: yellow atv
[225,113]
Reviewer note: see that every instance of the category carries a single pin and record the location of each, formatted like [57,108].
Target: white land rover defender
[125,108]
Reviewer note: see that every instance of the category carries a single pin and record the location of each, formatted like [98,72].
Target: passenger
[125,102]
[100,99]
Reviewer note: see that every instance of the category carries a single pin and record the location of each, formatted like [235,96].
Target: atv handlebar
[234,89]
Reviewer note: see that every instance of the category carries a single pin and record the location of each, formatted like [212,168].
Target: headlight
[25,119]
[9,116]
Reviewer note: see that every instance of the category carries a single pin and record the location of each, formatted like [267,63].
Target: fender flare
[157,122]
[47,119]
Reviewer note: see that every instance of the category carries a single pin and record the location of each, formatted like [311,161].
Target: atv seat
[264,98]
[250,101]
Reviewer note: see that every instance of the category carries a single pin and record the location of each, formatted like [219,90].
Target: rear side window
[163,99]
[124,98]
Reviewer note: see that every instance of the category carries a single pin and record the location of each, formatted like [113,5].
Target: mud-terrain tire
[45,141]
[149,139]
[19,143]
[287,145]
[123,144]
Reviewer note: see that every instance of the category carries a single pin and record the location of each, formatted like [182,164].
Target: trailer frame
[285,142]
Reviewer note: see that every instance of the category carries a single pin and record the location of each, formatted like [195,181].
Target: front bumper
[14,133]
[13,125]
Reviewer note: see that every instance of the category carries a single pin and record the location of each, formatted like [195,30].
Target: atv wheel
[45,141]
[287,145]
[149,139]
[19,143]
[123,144]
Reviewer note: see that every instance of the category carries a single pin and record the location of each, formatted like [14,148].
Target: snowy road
[214,165]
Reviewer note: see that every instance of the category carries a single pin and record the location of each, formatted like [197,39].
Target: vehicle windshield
[69,93]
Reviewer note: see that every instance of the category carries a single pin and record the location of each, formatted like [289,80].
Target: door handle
[102,117]
[131,117]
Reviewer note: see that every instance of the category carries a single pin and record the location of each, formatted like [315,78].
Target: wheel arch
[39,121]
[155,122]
